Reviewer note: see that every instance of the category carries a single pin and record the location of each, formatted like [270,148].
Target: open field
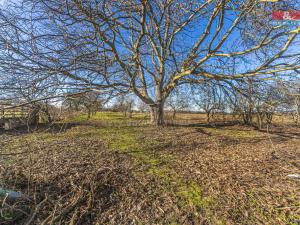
[89,172]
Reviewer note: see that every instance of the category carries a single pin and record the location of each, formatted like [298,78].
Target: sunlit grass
[108,117]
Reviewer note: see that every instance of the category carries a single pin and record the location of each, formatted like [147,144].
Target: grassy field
[108,170]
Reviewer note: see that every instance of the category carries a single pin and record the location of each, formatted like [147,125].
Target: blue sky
[3,2]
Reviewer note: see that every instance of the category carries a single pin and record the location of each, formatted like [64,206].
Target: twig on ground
[37,209]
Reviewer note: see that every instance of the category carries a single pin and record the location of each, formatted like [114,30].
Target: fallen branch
[37,209]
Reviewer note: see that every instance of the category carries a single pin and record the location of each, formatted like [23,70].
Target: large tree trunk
[259,120]
[157,114]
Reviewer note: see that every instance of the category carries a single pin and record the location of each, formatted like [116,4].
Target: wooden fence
[13,117]
[14,113]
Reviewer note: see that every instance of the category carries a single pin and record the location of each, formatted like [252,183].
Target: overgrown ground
[93,172]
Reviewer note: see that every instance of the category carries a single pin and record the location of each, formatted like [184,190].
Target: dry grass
[95,174]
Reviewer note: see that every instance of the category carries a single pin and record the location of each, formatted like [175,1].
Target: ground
[111,170]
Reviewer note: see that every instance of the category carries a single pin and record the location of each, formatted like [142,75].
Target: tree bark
[208,117]
[259,120]
[157,114]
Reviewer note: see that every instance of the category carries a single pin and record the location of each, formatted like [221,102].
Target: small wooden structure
[12,116]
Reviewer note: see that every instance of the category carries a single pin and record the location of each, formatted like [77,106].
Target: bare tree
[178,101]
[89,102]
[246,100]
[291,98]
[124,103]
[145,47]
[266,103]
[256,101]
[208,98]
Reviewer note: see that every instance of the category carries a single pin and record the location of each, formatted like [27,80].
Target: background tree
[266,103]
[125,104]
[89,102]
[178,101]
[208,98]
[290,98]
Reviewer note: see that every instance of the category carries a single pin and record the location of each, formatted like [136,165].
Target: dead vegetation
[95,174]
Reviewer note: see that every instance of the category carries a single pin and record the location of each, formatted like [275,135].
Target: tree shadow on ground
[67,193]
[283,135]
[277,135]
[187,123]
[49,128]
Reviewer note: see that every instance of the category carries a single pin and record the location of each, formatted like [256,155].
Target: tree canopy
[143,47]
